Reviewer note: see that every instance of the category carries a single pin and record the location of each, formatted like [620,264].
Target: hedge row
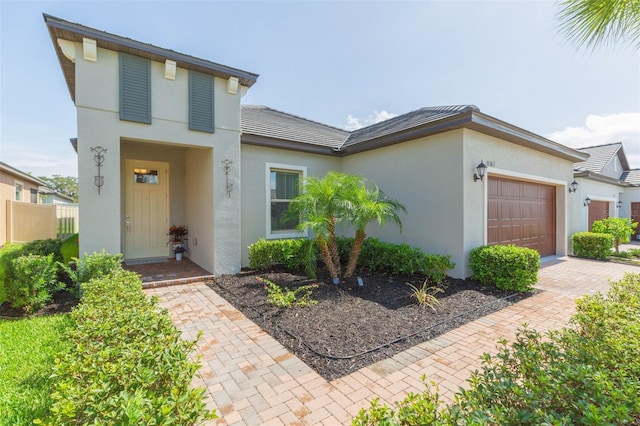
[586,374]
[506,267]
[592,245]
[375,256]
[128,364]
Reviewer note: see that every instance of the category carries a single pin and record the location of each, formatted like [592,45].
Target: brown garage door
[522,213]
[598,210]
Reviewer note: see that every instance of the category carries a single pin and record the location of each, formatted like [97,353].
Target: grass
[28,348]
[70,248]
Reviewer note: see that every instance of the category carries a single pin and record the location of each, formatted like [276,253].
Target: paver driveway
[253,380]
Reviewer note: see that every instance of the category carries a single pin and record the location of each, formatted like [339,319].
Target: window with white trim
[283,184]
[19,191]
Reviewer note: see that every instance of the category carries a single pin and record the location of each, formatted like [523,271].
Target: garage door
[598,210]
[522,213]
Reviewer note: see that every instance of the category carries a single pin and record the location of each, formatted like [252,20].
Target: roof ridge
[600,146]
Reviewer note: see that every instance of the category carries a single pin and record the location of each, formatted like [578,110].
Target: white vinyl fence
[67,220]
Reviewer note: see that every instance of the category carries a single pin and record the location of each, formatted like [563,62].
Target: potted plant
[177,237]
[178,250]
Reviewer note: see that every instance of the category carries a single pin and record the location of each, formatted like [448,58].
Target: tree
[620,228]
[67,185]
[366,206]
[593,22]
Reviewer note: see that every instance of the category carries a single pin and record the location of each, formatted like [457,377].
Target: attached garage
[522,213]
[598,210]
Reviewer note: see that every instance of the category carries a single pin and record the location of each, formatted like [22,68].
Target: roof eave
[22,175]
[258,140]
[498,128]
[585,174]
[159,54]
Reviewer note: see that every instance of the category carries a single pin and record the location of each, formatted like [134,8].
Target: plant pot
[178,257]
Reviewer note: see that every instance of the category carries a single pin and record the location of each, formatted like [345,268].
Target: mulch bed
[350,327]
[63,301]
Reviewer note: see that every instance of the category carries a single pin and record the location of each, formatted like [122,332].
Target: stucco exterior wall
[426,176]
[97,101]
[253,188]
[516,162]
[597,191]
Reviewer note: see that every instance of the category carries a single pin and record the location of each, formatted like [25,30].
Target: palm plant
[364,206]
[321,206]
[591,22]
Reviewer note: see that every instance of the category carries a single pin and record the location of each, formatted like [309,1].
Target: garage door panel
[523,213]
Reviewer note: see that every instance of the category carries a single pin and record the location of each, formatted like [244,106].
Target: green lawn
[70,248]
[28,348]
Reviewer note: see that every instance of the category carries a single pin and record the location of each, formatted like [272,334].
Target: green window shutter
[135,88]
[201,102]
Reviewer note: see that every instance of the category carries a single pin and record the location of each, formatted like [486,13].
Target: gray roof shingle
[599,157]
[270,123]
[631,177]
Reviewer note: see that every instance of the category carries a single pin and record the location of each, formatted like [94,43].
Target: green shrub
[44,248]
[634,252]
[375,256]
[300,296]
[592,245]
[127,363]
[7,254]
[92,266]
[506,267]
[587,374]
[33,283]
[621,228]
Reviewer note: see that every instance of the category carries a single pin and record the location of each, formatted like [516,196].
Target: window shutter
[201,102]
[135,88]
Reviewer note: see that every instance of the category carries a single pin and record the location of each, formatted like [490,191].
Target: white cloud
[354,123]
[604,129]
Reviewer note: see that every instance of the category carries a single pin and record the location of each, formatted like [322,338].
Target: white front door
[146,207]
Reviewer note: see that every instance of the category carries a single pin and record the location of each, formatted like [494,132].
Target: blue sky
[346,64]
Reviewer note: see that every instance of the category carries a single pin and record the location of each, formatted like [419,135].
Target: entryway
[146,209]
[598,210]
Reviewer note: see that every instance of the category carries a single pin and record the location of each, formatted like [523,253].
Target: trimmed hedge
[586,374]
[127,363]
[506,267]
[592,245]
[375,256]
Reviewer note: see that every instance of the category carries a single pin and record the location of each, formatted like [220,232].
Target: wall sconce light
[481,170]
[573,187]
[587,201]
[226,163]
[99,159]
[619,204]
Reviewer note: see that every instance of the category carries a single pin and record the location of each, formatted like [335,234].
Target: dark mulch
[63,301]
[351,328]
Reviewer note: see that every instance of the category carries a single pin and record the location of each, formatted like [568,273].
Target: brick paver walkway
[253,380]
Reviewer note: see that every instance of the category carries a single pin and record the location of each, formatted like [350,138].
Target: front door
[598,210]
[635,217]
[146,209]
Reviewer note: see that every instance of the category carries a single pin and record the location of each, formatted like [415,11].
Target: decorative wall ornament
[226,163]
[99,159]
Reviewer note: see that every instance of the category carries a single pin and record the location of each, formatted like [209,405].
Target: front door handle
[127,222]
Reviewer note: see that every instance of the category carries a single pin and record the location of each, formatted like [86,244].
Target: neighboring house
[178,148]
[607,187]
[49,196]
[15,186]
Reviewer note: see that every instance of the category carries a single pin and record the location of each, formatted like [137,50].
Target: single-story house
[163,139]
[607,187]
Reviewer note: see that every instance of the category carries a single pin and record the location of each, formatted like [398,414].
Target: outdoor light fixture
[587,201]
[481,170]
[99,159]
[226,163]
[619,205]
[573,187]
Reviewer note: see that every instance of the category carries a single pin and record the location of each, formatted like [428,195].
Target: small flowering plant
[286,298]
[178,233]
[178,249]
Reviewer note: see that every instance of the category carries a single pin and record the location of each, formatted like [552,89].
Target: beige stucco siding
[8,192]
[426,176]
[516,162]
[194,157]
[253,188]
